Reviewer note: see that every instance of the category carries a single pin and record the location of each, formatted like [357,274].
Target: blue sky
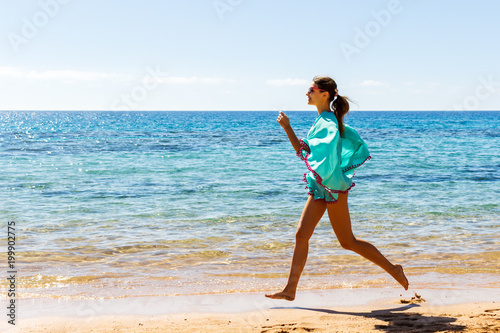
[247,54]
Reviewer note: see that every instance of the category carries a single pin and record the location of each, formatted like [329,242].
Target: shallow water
[149,203]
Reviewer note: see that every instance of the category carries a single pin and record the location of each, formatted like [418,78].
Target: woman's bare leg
[312,213]
[341,223]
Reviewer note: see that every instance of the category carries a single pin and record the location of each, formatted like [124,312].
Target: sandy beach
[342,310]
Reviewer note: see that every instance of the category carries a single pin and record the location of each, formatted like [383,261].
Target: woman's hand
[285,123]
[283,120]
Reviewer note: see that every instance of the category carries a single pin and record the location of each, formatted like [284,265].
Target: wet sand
[342,310]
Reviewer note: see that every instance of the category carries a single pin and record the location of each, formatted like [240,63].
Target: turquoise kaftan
[330,158]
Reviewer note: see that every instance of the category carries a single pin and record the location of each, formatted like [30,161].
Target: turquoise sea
[120,204]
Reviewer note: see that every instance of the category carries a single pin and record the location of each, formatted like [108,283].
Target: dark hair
[340,105]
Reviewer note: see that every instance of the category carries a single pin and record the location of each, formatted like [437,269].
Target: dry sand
[352,310]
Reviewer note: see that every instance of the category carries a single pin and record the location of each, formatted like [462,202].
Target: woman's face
[315,95]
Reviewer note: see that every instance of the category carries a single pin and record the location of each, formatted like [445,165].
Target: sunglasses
[311,89]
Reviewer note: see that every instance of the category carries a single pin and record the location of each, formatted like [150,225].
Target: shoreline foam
[236,285]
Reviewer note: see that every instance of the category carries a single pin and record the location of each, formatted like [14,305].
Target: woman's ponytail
[340,108]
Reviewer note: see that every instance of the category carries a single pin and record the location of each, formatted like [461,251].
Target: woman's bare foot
[400,276]
[282,295]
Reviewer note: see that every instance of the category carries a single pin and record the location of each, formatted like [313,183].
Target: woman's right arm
[285,124]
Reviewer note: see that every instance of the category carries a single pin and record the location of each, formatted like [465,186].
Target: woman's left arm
[285,123]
